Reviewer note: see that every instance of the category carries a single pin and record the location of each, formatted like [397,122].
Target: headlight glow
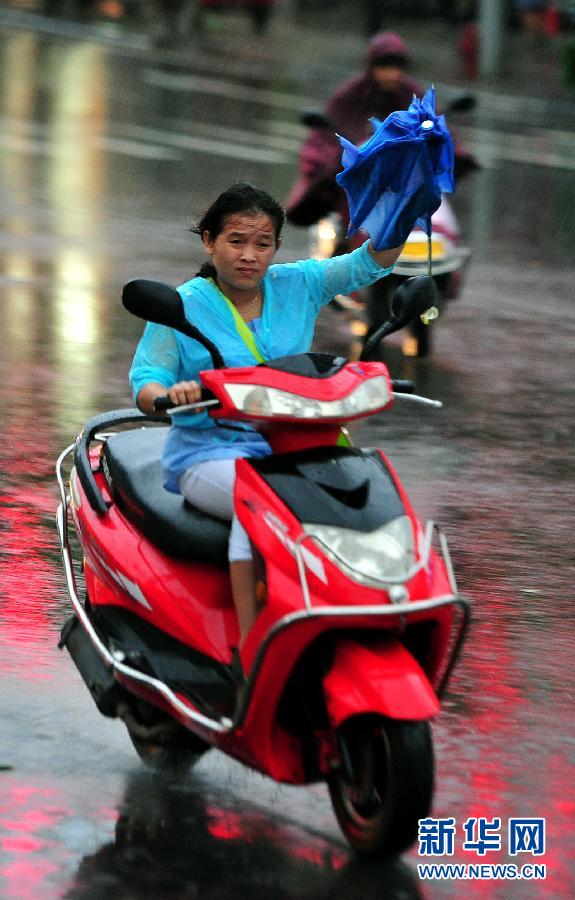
[269,402]
[369,557]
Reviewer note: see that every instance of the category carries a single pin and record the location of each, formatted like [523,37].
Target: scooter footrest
[141,646]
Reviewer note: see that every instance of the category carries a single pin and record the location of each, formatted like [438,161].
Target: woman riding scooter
[251,312]
[356,630]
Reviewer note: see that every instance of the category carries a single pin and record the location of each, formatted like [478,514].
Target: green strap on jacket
[244,332]
[247,336]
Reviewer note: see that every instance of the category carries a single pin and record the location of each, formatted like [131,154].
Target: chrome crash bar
[216,725]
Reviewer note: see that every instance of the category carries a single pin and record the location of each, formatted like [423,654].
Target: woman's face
[243,250]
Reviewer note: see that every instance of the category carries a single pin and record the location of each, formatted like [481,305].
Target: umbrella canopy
[395,180]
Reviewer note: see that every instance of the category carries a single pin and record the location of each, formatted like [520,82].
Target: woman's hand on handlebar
[185,392]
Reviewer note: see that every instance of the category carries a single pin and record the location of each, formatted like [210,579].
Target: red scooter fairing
[382,677]
[354,638]
[124,571]
[189,601]
[340,384]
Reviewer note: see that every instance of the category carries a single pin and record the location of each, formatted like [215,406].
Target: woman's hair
[239,198]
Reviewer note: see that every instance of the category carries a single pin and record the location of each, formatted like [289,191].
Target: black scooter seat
[133,468]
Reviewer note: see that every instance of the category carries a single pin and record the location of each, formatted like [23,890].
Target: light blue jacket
[293,296]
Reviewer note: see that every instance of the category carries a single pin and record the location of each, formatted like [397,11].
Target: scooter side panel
[381,678]
[260,741]
[188,600]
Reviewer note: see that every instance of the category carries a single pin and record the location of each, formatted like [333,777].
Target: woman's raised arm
[385,258]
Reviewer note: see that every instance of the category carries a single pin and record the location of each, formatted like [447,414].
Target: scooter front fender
[380,678]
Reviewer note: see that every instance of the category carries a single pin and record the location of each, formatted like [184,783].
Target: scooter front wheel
[385,784]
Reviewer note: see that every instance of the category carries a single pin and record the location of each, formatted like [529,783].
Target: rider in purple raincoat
[382,88]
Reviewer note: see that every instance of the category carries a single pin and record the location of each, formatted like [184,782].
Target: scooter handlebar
[405,390]
[161,404]
[402,386]
[165,404]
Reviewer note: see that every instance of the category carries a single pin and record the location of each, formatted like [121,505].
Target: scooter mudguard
[380,678]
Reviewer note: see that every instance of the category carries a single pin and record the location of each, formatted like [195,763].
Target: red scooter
[359,621]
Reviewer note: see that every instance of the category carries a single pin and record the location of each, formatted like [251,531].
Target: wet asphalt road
[104,160]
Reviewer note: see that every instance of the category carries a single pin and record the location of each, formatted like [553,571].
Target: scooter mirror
[154,301]
[157,302]
[411,299]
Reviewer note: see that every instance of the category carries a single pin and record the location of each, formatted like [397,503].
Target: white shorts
[210,486]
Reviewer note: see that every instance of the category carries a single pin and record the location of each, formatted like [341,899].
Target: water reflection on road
[86,208]
[197,841]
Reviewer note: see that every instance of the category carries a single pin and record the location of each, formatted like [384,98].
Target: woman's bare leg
[209,486]
[244,594]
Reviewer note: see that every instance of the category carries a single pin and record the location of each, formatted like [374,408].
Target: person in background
[381,88]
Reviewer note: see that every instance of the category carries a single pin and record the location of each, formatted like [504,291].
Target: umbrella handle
[429,254]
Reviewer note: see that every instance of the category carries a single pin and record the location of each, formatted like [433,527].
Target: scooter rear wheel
[385,784]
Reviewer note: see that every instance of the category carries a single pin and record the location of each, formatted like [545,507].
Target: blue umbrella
[394,181]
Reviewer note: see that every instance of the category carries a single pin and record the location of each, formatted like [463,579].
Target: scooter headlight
[369,557]
[268,402]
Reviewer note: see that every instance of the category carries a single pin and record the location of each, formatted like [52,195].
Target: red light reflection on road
[247,828]
[34,851]
[225,824]
[27,578]
[324,856]
[31,811]
[514,701]
[559,816]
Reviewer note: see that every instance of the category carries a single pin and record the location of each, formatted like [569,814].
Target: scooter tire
[422,339]
[388,785]
[175,758]
[260,15]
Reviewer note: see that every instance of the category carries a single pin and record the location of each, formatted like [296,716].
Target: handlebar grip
[402,386]
[161,404]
